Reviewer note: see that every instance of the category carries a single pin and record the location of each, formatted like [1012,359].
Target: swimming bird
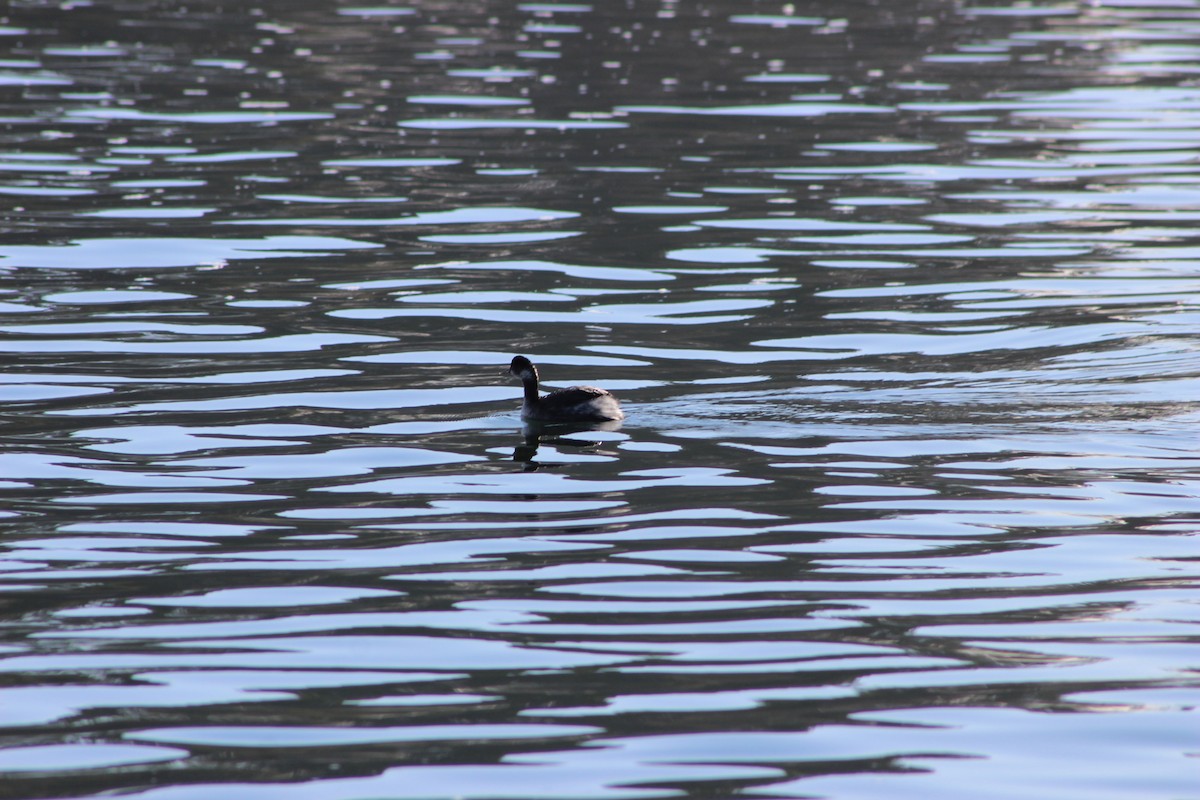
[574,404]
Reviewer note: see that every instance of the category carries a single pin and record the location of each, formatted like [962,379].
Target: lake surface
[901,300]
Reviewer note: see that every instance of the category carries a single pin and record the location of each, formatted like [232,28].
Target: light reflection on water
[900,303]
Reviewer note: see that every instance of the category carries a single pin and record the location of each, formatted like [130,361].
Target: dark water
[901,298]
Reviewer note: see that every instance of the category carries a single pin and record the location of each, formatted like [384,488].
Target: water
[901,301]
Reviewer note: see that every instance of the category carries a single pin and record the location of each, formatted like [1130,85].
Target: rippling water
[901,301]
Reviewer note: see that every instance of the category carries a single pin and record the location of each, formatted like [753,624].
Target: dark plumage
[574,404]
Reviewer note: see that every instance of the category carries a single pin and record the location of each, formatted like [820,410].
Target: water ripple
[901,311]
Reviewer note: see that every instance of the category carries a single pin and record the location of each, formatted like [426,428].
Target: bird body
[573,404]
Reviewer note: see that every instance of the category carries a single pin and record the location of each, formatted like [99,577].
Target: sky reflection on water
[900,302]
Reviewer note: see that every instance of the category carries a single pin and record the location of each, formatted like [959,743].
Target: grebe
[574,404]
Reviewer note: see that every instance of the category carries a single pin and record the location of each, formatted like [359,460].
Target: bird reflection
[533,434]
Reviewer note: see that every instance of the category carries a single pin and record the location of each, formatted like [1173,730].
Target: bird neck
[530,379]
